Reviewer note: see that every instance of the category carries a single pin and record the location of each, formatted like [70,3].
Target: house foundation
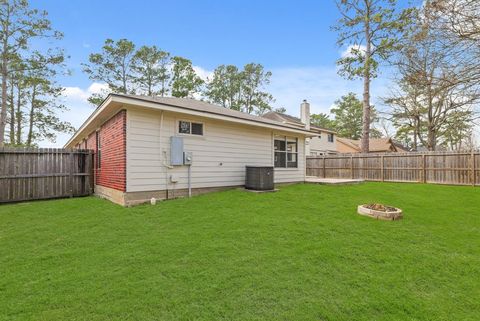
[136,198]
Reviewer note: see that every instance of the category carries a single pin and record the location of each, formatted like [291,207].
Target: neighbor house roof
[295,121]
[115,102]
[376,144]
[400,147]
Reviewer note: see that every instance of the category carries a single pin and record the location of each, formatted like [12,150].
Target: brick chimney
[305,114]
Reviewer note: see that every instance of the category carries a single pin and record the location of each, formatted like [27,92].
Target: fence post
[70,176]
[324,175]
[351,166]
[424,169]
[473,167]
[91,171]
[383,169]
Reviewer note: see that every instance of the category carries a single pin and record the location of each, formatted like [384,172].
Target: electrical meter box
[187,158]
[176,150]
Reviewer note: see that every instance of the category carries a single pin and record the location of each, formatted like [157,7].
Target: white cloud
[203,73]
[348,51]
[77,93]
[86,45]
[75,98]
[321,86]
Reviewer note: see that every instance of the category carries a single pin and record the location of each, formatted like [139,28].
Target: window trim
[286,140]
[332,136]
[191,122]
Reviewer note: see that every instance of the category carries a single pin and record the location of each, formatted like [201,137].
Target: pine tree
[113,67]
[185,82]
[370,29]
[151,72]
[19,26]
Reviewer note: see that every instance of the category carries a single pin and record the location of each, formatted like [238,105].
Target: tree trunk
[150,84]
[365,143]
[415,141]
[31,120]
[366,115]
[431,139]
[124,77]
[150,87]
[12,115]
[19,114]
[3,113]
[162,92]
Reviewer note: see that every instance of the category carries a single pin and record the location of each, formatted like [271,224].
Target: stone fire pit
[380,212]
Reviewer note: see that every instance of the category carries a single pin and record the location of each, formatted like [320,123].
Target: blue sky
[290,38]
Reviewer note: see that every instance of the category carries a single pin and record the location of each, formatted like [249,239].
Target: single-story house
[323,143]
[377,145]
[136,140]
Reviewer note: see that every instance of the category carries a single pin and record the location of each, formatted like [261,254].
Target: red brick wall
[113,137]
[92,144]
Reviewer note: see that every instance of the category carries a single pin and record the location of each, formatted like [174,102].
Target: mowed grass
[299,254]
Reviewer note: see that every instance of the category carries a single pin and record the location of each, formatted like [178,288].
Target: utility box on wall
[187,158]
[176,150]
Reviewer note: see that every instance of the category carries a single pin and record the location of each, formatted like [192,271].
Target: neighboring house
[377,145]
[134,160]
[323,143]
[400,148]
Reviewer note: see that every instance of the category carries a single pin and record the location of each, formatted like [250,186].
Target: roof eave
[170,107]
[208,114]
[90,118]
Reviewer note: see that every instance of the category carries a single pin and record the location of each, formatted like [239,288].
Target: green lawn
[299,254]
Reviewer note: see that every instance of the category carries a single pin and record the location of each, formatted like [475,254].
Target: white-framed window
[330,138]
[186,127]
[286,152]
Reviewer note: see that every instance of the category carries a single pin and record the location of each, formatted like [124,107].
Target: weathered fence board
[455,168]
[43,173]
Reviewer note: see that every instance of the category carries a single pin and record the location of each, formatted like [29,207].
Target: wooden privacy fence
[42,173]
[456,168]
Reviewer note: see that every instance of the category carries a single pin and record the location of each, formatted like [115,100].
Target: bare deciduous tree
[436,95]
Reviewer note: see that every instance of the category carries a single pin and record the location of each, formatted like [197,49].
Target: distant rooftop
[376,144]
[288,119]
